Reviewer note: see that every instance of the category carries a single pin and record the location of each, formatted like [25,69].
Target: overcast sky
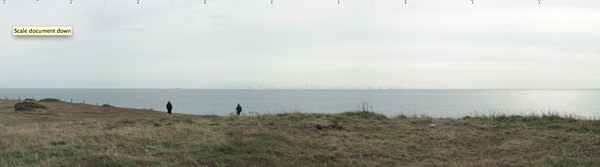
[359,43]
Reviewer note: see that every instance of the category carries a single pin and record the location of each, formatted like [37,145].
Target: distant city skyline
[296,43]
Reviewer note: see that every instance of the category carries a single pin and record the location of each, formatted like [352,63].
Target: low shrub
[27,106]
[49,100]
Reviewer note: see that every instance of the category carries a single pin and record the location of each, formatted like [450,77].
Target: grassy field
[65,134]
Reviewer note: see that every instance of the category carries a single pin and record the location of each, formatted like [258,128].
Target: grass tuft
[54,143]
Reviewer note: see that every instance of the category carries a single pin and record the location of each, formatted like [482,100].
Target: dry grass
[68,134]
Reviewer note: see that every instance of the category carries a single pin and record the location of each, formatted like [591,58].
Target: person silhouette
[169,108]
[239,109]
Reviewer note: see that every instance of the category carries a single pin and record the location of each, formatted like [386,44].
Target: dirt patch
[335,126]
[516,144]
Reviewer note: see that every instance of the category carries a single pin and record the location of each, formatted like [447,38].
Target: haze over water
[435,103]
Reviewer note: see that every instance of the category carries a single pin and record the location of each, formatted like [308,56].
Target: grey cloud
[218,15]
[318,44]
[134,28]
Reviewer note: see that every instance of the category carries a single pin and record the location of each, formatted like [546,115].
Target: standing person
[239,109]
[169,108]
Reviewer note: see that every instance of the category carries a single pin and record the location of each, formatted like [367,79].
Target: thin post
[71,100]
[19,98]
[83,101]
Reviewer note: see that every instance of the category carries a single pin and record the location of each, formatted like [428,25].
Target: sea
[446,103]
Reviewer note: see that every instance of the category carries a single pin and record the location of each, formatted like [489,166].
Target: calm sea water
[435,103]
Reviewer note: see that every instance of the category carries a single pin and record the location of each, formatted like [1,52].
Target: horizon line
[304,88]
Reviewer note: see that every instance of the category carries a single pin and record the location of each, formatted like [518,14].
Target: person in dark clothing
[169,108]
[239,109]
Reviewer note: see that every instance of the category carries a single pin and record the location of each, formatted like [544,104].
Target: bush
[106,105]
[28,99]
[50,100]
[28,106]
